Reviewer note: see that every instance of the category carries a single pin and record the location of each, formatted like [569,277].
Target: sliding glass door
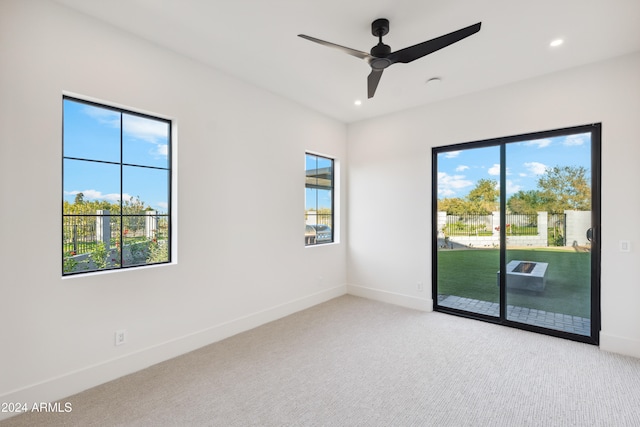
[467,238]
[515,227]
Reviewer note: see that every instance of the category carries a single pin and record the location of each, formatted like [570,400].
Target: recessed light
[357,102]
[556,42]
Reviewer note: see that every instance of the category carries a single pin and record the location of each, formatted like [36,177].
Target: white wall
[240,199]
[390,181]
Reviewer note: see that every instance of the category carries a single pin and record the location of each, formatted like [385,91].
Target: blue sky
[94,133]
[459,171]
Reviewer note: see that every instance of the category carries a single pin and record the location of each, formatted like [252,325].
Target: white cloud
[512,187]
[452,154]
[102,115]
[449,185]
[462,168]
[97,195]
[161,150]
[494,170]
[151,131]
[540,143]
[148,130]
[535,168]
[574,140]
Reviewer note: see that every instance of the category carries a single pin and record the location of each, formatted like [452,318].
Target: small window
[116,188]
[318,200]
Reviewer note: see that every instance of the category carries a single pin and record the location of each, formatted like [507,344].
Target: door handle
[590,234]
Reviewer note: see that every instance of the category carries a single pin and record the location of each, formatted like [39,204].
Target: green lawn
[472,274]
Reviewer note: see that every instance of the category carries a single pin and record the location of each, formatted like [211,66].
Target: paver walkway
[530,316]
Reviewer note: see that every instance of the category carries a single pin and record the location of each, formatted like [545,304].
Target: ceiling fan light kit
[381,56]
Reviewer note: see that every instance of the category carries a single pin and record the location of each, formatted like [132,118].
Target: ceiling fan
[381,56]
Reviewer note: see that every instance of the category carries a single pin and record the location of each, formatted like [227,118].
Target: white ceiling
[256,41]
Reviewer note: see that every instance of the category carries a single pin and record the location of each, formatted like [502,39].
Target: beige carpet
[355,362]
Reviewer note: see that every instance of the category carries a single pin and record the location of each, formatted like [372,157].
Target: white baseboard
[58,388]
[408,301]
[619,345]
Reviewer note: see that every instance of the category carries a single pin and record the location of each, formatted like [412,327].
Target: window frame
[122,164]
[332,190]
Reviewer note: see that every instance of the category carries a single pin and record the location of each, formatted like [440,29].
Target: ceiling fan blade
[418,51]
[352,52]
[372,82]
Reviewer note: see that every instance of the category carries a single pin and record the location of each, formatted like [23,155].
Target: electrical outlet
[625,246]
[419,286]
[120,337]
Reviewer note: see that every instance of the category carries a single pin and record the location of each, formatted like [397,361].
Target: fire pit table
[527,275]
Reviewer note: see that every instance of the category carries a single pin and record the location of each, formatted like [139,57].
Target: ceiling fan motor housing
[380,27]
[381,50]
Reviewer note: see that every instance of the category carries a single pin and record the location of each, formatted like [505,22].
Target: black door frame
[595,130]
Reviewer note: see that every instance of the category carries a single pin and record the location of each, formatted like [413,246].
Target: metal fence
[80,233]
[516,225]
[521,224]
[485,225]
[557,229]
[469,225]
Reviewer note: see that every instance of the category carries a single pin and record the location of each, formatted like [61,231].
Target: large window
[116,188]
[318,200]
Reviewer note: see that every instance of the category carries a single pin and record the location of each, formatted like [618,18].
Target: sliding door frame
[595,130]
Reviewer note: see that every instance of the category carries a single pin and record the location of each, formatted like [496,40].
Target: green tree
[483,198]
[526,202]
[453,206]
[565,187]
[134,206]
